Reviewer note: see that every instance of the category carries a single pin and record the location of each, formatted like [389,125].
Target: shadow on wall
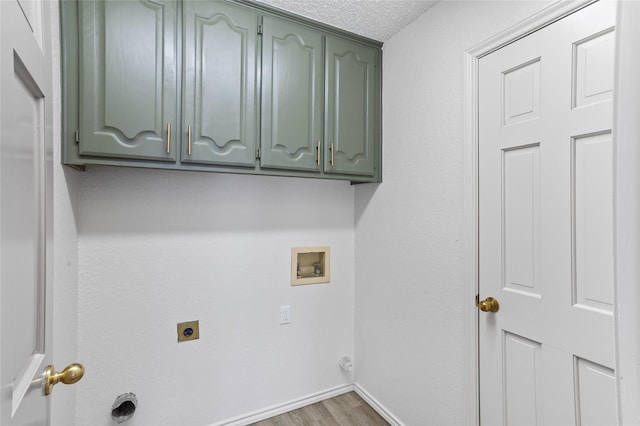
[72,178]
[363,195]
[120,200]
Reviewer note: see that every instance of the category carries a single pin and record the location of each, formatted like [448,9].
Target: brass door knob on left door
[70,375]
[488,305]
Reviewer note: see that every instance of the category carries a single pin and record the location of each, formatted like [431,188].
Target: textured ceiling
[376,19]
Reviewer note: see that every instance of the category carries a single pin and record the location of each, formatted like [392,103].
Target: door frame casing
[627,212]
[550,14]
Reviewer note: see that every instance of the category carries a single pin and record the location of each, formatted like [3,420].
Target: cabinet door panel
[351,108]
[128,87]
[292,84]
[219,83]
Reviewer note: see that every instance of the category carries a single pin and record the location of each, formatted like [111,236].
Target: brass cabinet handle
[189,141]
[489,304]
[70,375]
[331,152]
[169,138]
[318,153]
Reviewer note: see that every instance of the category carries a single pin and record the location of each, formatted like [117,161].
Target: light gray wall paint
[410,294]
[159,247]
[162,247]
[65,249]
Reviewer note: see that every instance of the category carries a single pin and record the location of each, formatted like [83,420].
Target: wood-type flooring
[343,410]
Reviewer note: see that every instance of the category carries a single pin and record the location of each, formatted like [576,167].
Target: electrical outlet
[285,314]
[188,331]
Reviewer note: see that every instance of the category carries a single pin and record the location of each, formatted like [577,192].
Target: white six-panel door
[25,172]
[546,225]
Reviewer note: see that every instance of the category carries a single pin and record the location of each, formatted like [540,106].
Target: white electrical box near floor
[309,265]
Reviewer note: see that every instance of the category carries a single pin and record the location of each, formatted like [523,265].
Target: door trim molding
[472,56]
[627,212]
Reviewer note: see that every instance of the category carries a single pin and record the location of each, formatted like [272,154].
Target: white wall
[65,249]
[162,247]
[159,247]
[411,296]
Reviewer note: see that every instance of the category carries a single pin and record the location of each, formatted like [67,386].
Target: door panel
[219,91]
[25,174]
[546,224]
[521,209]
[522,92]
[22,230]
[592,78]
[592,180]
[292,96]
[350,127]
[595,387]
[128,90]
[523,393]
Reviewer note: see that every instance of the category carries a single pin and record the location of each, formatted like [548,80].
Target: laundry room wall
[162,247]
[412,341]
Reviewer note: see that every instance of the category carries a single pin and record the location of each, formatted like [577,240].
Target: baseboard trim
[380,409]
[278,409]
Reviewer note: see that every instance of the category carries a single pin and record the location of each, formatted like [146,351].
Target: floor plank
[343,410]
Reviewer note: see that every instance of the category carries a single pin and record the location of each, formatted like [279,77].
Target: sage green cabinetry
[218,85]
[130,90]
[219,91]
[128,82]
[320,101]
[352,117]
[292,96]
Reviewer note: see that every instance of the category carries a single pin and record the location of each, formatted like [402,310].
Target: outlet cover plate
[189,330]
[285,314]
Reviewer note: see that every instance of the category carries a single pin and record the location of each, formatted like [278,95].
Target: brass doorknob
[70,375]
[488,305]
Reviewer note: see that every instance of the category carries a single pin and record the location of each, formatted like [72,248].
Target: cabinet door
[128,86]
[219,91]
[351,139]
[292,96]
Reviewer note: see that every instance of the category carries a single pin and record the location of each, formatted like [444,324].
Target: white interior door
[25,211]
[546,225]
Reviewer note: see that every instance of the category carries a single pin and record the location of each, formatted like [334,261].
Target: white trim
[380,409]
[470,232]
[278,409]
[550,14]
[546,16]
[627,211]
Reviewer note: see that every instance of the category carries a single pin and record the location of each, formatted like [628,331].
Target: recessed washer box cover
[310,265]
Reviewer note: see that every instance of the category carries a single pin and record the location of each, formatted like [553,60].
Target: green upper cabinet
[127,79]
[231,86]
[352,111]
[219,91]
[292,96]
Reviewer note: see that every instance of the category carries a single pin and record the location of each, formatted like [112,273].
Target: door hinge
[257,153]
[77,136]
